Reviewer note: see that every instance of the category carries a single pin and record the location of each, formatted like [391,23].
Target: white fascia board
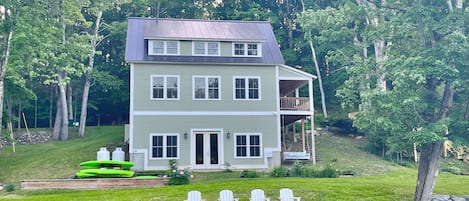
[299,72]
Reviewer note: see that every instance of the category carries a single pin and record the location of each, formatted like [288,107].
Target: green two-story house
[210,93]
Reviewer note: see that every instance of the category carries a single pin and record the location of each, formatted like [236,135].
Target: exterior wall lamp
[228,135]
[185,135]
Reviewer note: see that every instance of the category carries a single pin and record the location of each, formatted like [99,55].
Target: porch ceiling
[288,119]
[289,86]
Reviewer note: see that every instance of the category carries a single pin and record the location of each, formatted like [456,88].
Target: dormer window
[202,48]
[163,47]
[247,49]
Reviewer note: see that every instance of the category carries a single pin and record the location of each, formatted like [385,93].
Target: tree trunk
[430,159]
[318,74]
[63,106]
[57,123]
[86,88]
[3,69]
[70,102]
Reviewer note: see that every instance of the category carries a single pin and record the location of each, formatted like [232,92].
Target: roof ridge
[198,20]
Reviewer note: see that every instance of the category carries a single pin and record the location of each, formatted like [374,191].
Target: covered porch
[296,115]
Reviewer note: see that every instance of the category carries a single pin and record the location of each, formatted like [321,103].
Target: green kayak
[104,173]
[107,164]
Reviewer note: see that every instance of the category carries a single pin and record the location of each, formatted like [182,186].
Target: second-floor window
[162,47]
[247,49]
[206,48]
[165,87]
[206,87]
[247,88]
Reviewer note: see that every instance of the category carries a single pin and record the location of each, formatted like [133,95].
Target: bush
[280,171]
[176,176]
[296,169]
[249,174]
[10,188]
[328,172]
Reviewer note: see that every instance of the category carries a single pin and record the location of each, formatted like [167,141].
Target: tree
[424,63]
[7,22]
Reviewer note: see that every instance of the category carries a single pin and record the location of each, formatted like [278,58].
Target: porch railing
[293,103]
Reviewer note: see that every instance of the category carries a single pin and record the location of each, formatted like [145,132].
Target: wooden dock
[97,183]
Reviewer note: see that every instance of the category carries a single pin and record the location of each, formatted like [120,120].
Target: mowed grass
[396,185]
[61,159]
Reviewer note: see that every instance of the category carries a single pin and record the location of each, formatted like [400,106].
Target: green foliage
[10,188]
[280,171]
[227,167]
[176,175]
[249,174]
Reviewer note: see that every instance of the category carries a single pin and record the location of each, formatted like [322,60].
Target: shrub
[249,174]
[176,176]
[10,188]
[280,171]
[296,169]
[328,172]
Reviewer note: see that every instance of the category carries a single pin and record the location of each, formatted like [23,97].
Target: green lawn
[60,160]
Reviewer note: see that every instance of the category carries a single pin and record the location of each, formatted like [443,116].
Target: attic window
[201,48]
[163,47]
[247,49]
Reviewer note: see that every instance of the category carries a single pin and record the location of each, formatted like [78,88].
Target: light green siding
[264,125]
[186,48]
[226,49]
[284,73]
[142,88]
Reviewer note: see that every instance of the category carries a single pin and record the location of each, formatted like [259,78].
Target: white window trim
[247,88]
[205,48]
[165,87]
[150,47]
[206,87]
[248,145]
[259,49]
[165,145]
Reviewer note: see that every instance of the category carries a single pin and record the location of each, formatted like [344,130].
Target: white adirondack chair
[286,194]
[258,195]
[227,195]
[194,196]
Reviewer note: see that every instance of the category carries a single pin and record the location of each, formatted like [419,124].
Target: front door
[207,149]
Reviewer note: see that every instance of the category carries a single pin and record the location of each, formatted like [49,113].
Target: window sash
[247,49]
[250,92]
[248,145]
[206,87]
[164,146]
[206,48]
[165,87]
[162,47]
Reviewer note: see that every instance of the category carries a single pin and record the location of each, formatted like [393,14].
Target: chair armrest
[297,198]
[267,199]
[235,199]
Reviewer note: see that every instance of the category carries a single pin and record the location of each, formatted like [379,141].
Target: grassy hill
[57,159]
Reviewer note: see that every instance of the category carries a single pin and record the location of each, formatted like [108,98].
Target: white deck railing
[293,103]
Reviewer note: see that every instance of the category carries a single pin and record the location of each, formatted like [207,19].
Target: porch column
[311,108]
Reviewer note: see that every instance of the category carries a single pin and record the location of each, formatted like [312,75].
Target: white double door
[206,149]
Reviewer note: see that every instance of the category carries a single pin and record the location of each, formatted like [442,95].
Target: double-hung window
[206,87]
[247,49]
[164,146]
[248,145]
[202,48]
[247,88]
[163,47]
[165,87]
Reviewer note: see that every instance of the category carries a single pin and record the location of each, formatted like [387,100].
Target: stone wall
[37,137]
[450,198]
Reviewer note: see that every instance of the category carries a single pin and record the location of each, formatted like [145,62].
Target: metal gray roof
[140,29]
